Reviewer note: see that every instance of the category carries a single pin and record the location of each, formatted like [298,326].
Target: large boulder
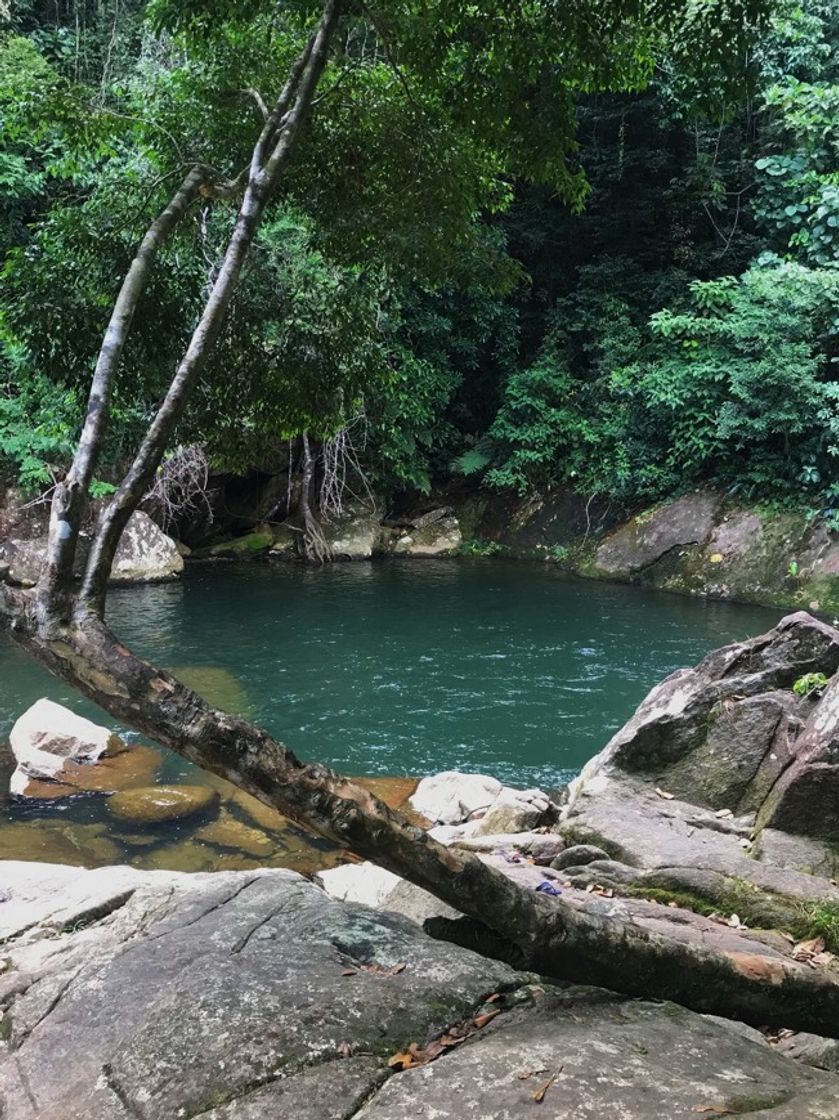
[479,805]
[354,536]
[725,782]
[721,734]
[145,553]
[249,996]
[651,535]
[451,797]
[436,533]
[48,736]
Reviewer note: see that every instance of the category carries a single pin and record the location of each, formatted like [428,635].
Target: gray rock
[439,537]
[145,553]
[181,994]
[516,810]
[811,1049]
[578,855]
[645,539]
[23,560]
[718,753]
[355,536]
[602,1056]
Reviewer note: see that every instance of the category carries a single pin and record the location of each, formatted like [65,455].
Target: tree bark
[553,937]
[70,501]
[314,547]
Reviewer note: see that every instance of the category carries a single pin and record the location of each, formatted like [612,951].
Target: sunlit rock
[452,797]
[145,553]
[48,736]
[158,804]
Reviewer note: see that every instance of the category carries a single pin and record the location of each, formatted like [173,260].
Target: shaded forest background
[661,311]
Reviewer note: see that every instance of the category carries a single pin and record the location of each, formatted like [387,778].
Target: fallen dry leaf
[538,1095]
[809,948]
[723,813]
[349,972]
[525,1073]
[663,793]
[344,1049]
[481,1021]
[402,1060]
[717,1109]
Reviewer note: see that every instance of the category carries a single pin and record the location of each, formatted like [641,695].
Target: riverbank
[703,544]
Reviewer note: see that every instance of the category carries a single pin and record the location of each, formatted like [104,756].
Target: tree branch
[70,499]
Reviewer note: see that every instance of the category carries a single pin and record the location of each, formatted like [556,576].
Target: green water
[413,667]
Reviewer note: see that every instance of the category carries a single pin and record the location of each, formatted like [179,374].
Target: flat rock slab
[132,995]
[596,1055]
[200,989]
[634,824]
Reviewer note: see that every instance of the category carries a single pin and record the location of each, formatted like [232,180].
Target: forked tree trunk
[64,630]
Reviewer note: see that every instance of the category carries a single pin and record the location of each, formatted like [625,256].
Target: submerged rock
[251,995]
[229,832]
[217,686]
[134,766]
[159,804]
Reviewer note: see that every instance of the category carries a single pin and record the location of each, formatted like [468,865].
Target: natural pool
[392,668]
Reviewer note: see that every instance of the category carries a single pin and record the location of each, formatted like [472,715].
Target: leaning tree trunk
[64,629]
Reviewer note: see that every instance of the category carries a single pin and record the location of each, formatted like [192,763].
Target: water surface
[404,668]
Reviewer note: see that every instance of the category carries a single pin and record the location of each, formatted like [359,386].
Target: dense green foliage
[540,244]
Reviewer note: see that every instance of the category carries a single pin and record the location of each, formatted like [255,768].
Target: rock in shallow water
[158,804]
[49,735]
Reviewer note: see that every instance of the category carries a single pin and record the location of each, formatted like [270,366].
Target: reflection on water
[392,668]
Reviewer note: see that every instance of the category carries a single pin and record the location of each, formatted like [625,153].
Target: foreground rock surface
[250,996]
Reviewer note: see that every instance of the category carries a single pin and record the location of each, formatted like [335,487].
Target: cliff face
[699,544]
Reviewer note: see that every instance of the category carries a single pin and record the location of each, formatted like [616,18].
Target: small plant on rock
[811,684]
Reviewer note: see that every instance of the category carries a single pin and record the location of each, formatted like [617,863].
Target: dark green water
[413,667]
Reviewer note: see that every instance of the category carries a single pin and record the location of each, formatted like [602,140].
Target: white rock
[47,735]
[355,537]
[359,882]
[145,553]
[513,810]
[452,797]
